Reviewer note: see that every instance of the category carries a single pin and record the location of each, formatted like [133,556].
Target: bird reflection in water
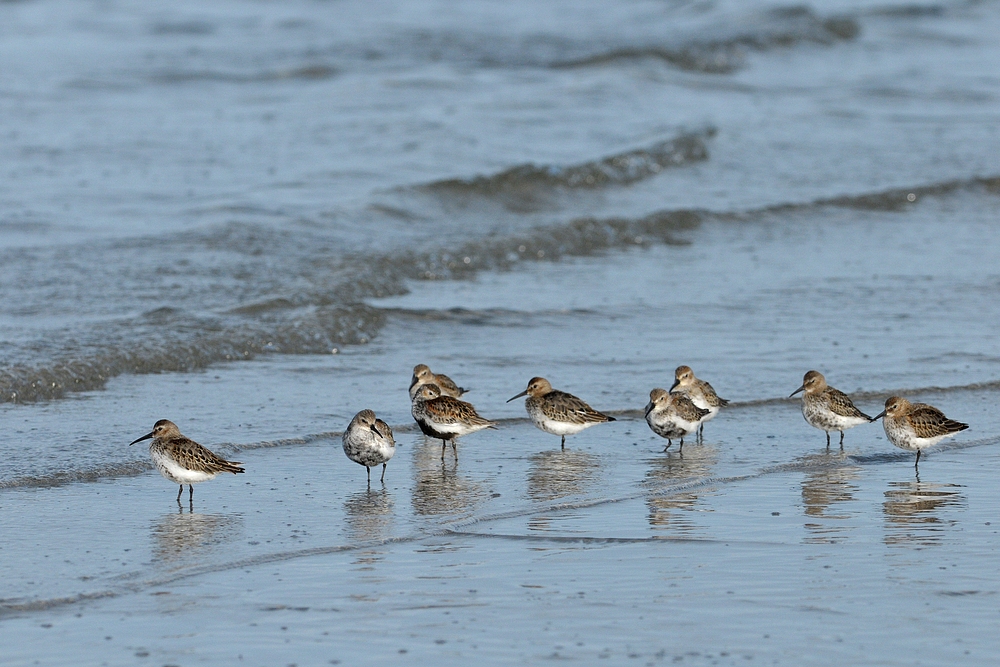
[825,490]
[369,518]
[440,489]
[183,536]
[674,511]
[913,512]
[369,514]
[557,474]
[560,473]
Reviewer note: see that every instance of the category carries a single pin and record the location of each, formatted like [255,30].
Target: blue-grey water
[255,218]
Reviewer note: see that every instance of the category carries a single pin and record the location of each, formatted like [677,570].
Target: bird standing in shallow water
[701,394]
[827,408]
[445,417]
[916,426]
[422,375]
[557,412]
[182,460]
[673,416]
[368,441]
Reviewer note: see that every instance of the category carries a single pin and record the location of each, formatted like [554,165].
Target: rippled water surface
[255,218]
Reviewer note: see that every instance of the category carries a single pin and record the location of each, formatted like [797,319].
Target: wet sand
[254,220]
[758,544]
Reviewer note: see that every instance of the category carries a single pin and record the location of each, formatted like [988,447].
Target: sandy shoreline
[606,549]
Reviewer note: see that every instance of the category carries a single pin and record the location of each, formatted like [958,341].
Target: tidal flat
[254,219]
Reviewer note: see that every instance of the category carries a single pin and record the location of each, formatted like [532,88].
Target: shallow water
[255,219]
[750,544]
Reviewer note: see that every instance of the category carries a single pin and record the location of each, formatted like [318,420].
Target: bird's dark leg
[841,439]
[190,493]
[383,474]
[444,445]
[179,492]
[828,440]
[669,443]
[917,462]
[563,445]
[454,449]
[701,433]
[369,470]
[681,448]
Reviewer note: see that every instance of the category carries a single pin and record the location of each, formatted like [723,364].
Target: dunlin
[557,412]
[916,426]
[700,392]
[673,416]
[422,375]
[827,408]
[182,460]
[368,441]
[445,417]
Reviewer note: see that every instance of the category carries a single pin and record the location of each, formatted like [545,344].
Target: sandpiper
[557,412]
[700,392]
[445,417]
[182,460]
[916,426]
[673,415]
[422,375]
[827,408]
[368,441]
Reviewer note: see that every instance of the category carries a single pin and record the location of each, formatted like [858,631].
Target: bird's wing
[840,404]
[687,410]
[560,406]
[197,457]
[448,385]
[929,422]
[711,397]
[448,410]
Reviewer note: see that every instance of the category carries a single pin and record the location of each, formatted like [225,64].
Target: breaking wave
[778,28]
[528,181]
[323,305]
[716,45]
[163,341]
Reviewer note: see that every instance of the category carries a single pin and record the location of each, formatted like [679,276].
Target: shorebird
[445,417]
[368,441]
[557,412]
[916,426]
[827,408]
[673,416]
[700,392]
[182,460]
[422,375]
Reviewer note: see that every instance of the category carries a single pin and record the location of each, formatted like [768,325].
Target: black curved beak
[649,408]
[878,416]
[374,430]
[797,391]
[518,396]
[676,382]
[145,437]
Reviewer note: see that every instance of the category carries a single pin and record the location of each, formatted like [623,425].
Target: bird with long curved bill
[916,426]
[557,412]
[182,460]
